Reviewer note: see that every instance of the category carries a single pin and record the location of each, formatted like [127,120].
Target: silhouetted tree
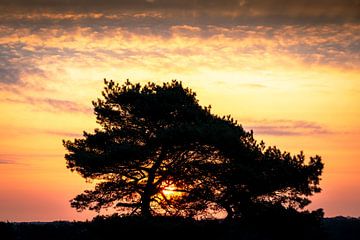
[268,177]
[156,138]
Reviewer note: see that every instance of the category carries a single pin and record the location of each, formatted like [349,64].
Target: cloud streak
[63,133]
[52,105]
[287,128]
[2,161]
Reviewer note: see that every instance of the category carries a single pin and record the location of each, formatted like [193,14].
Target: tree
[159,152]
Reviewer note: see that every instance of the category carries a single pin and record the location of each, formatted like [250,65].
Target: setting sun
[170,191]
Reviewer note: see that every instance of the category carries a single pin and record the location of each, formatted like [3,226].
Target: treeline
[342,228]
[179,228]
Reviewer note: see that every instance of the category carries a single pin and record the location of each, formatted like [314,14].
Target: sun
[170,191]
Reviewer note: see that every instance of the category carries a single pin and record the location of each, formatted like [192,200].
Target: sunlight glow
[171,191]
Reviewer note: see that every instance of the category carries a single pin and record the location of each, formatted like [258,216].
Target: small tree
[159,152]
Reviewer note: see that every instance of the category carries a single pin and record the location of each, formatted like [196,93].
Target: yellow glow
[171,191]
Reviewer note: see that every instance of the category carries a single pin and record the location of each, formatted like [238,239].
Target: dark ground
[177,228]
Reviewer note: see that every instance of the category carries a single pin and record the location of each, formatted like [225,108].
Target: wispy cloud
[2,161]
[52,105]
[286,127]
[63,133]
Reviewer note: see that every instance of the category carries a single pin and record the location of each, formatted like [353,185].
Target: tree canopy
[159,152]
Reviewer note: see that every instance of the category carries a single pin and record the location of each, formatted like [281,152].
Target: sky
[288,70]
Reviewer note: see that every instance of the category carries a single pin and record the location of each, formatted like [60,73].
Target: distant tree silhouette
[158,152]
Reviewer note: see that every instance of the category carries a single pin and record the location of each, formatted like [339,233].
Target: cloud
[252,85]
[286,128]
[205,11]
[58,51]
[8,74]
[52,105]
[62,133]
[2,161]
[15,61]
[31,50]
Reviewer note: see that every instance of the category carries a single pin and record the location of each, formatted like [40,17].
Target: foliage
[158,139]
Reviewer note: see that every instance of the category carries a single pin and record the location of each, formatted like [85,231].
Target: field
[177,228]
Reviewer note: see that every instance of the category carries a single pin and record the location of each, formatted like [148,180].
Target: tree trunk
[145,206]
[149,188]
[230,213]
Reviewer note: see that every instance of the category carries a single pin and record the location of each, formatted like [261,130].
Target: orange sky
[297,85]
